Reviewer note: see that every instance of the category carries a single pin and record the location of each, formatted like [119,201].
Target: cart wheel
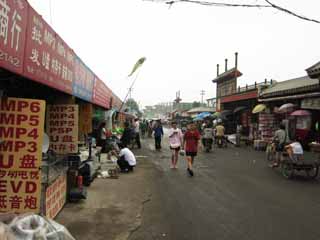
[287,169]
[312,172]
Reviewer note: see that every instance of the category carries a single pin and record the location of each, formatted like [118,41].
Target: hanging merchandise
[266,126]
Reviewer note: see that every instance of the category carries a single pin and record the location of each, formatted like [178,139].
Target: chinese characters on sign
[62,128]
[31,48]
[56,195]
[48,59]
[85,120]
[13,25]
[21,134]
[101,94]
[83,81]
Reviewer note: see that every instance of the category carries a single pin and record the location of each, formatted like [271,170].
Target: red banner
[13,25]
[48,59]
[101,93]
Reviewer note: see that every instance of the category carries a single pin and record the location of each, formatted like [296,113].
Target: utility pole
[130,92]
[202,93]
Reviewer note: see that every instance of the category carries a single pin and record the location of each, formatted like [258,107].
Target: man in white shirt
[126,159]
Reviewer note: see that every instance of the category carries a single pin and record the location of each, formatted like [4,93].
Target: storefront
[41,69]
[300,93]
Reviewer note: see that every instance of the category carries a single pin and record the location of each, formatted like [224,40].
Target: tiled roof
[231,73]
[297,85]
[314,71]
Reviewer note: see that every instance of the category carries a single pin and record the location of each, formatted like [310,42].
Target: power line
[218,4]
[291,13]
[224,4]
[202,93]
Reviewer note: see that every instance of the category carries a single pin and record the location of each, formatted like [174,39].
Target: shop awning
[301,113]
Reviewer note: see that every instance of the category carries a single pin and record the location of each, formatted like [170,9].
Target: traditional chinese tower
[226,82]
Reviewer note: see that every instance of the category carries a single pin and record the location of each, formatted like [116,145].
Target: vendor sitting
[126,159]
[294,150]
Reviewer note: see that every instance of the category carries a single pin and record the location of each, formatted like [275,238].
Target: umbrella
[259,108]
[286,108]
[216,115]
[301,113]
[225,113]
[239,109]
[203,115]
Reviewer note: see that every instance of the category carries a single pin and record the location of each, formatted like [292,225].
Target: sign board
[311,103]
[56,195]
[101,94]
[21,136]
[85,119]
[83,80]
[47,59]
[62,128]
[13,26]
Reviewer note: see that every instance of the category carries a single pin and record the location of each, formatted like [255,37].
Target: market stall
[43,74]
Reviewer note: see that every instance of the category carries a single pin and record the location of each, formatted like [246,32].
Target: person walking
[136,126]
[175,141]
[102,137]
[190,145]
[150,129]
[158,133]
[126,135]
[143,128]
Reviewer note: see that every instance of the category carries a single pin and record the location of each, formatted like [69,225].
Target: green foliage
[196,104]
[133,107]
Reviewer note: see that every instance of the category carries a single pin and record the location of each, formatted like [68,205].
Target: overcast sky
[183,44]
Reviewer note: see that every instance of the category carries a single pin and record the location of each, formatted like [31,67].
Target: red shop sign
[13,25]
[101,93]
[48,59]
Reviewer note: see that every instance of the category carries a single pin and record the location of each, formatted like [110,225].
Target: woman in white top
[175,141]
[295,151]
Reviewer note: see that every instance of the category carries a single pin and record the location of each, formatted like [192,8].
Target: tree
[196,104]
[133,106]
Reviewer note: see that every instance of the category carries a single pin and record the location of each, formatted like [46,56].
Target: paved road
[234,195]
